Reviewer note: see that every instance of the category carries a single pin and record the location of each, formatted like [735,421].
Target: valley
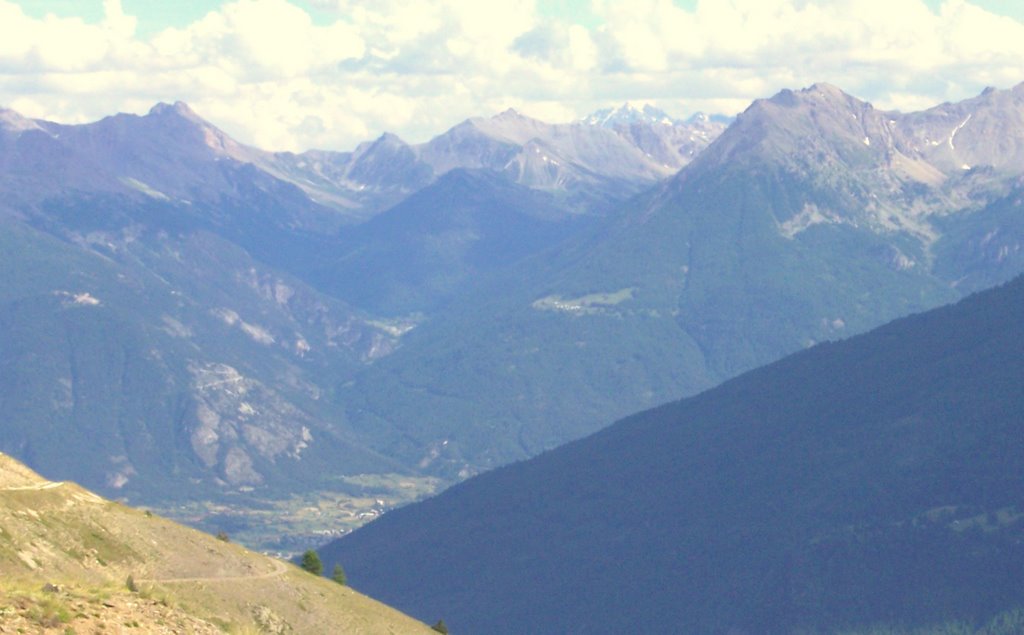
[226,349]
[251,328]
[284,528]
[527,317]
[233,311]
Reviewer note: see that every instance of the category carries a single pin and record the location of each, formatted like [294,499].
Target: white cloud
[266,73]
[259,40]
[116,20]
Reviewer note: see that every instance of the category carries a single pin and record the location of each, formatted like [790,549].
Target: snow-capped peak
[628,114]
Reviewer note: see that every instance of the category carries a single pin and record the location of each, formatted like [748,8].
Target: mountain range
[201,318]
[792,227]
[159,303]
[872,485]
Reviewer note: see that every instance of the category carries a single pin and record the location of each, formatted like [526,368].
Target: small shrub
[50,612]
[440,627]
[223,536]
[130,583]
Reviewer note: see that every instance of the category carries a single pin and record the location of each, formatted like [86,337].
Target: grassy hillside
[59,534]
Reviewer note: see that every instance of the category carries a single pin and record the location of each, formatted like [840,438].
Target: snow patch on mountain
[952,135]
[628,114]
[83,298]
[136,184]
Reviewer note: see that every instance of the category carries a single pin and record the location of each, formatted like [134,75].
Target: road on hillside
[34,486]
[280,568]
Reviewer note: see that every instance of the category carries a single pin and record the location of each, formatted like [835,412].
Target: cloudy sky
[298,74]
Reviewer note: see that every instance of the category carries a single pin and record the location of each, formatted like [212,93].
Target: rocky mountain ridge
[167,154]
[900,169]
[789,229]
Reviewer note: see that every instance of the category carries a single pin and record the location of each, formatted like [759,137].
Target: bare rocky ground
[99,611]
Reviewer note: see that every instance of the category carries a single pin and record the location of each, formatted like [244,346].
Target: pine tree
[339,575]
[311,562]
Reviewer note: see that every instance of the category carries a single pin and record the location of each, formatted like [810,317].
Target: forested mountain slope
[872,481]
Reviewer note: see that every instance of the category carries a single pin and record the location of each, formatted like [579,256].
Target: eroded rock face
[238,420]
[317,324]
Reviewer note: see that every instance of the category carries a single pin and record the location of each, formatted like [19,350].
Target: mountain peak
[506,120]
[628,114]
[807,129]
[385,145]
[179,108]
[509,113]
[509,125]
[824,88]
[819,92]
[390,140]
[13,121]
[213,137]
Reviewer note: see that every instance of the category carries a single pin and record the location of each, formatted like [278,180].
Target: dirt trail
[280,568]
[34,486]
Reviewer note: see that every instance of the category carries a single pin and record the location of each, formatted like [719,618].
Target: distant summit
[11,121]
[698,118]
[627,114]
[669,142]
[177,108]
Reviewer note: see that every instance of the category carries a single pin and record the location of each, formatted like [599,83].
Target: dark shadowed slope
[878,480]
